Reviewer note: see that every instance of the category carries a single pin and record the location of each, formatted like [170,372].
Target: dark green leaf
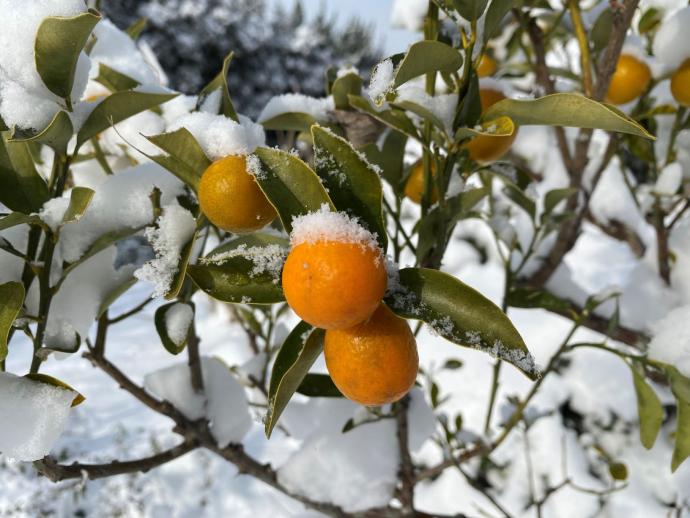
[21,187]
[390,158]
[318,385]
[17,218]
[555,196]
[135,30]
[524,298]
[59,41]
[160,321]
[424,57]
[290,185]
[680,386]
[649,409]
[11,302]
[521,199]
[353,184]
[470,10]
[494,16]
[395,119]
[343,86]
[618,471]
[79,201]
[296,356]
[181,273]
[220,82]
[56,135]
[601,31]
[650,20]
[460,314]
[185,159]
[113,80]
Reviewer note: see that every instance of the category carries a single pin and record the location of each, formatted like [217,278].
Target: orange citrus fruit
[231,199]
[629,81]
[414,187]
[484,149]
[375,362]
[333,284]
[487,66]
[680,84]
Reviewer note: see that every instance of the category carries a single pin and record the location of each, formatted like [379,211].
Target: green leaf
[21,187]
[526,298]
[520,198]
[494,16]
[395,119]
[59,41]
[186,159]
[500,127]
[56,135]
[49,380]
[220,82]
[290,185]
[344,86]
[390,158]
[238,271]
[17,218]
[421,111]
[424,57]
[555,196]
[11,301]
[115,294]
[680,386]
[296,356]
[354,186]
[460,314]
[649,408]
[566,109]
[182,265]
[650,20]
[113,80]
[79,201]
[318,385]
[601,30]
[470,10]
[290,121]
[135,30]
[116,108]
[162,329]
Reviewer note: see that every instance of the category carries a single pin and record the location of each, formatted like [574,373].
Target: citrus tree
[108,179]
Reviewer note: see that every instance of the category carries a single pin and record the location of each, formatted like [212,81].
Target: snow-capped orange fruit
[333,284]
[680,84]
[487,66]
[485,149]
[231,199]
[414,187]
[375,362]
[629,81]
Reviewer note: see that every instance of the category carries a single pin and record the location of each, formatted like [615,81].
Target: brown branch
[619,231]
[57,472]
[195,360]
[406,471]
[662,251]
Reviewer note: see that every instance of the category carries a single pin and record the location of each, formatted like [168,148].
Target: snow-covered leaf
[113,80]
[11,301]
[116,108]
[566,109]
[59,43]
[296,356]
[318,385]
[395,119]
[352,182]
[49,380]
[220,83]
[56,134]
[424,57]
[173,323]
[460,314]
[79,201]
[186,159]
[290,185]
[21,187]
[649,409]
[500,127]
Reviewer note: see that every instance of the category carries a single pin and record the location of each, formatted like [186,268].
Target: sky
[376,12]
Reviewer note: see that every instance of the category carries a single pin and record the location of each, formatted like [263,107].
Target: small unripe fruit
[680,84]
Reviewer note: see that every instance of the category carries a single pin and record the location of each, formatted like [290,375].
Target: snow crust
[299,103]
[33,414]
[381,81]
[671,340]
[672,40]
[178,319]
[325,225]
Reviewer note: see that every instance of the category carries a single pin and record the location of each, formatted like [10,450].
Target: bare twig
[406,471]
[195,360]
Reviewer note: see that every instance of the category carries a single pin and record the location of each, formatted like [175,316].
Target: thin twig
[406,470]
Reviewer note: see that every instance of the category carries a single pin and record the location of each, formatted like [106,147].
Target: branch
[406,472]
[57,472]
[195,361]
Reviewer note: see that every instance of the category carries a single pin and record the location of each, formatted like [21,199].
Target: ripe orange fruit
[231,199]
[484,149]
[629,81]
[487,66]
[375,362]
[414,187]
[680,84]
[333,284]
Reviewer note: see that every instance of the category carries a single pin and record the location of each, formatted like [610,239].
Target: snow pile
[441,106]
[127,137]
[669,179]
[178,319]
[382,78]
[297,103]
[221,136]
[174,229]
[25,101]
[223,401]
[325,225]
[671,340]
[409,14]
[53,211]
[672,40]
[33,414]
[121,202]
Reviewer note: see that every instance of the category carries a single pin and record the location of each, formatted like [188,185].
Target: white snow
[24,100]
[325,225]
[53,211]
[672,40]
[409,14]
[381,81]
[33,414]
[173,230]
[178,319]
[298,103]
[220,136]
[671,340]
[442,106]
[669,179]
[267,259]
[223,401]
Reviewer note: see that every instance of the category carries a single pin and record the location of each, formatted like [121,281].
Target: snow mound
[174,229]
[178,318]
[53,211]
[220,136]
[669,180]
[34,414]
[381,81]
[299,103]
[672,41]
[325,225]
[671,340]
[224,402]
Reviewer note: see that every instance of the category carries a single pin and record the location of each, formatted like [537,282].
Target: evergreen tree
[276,50]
